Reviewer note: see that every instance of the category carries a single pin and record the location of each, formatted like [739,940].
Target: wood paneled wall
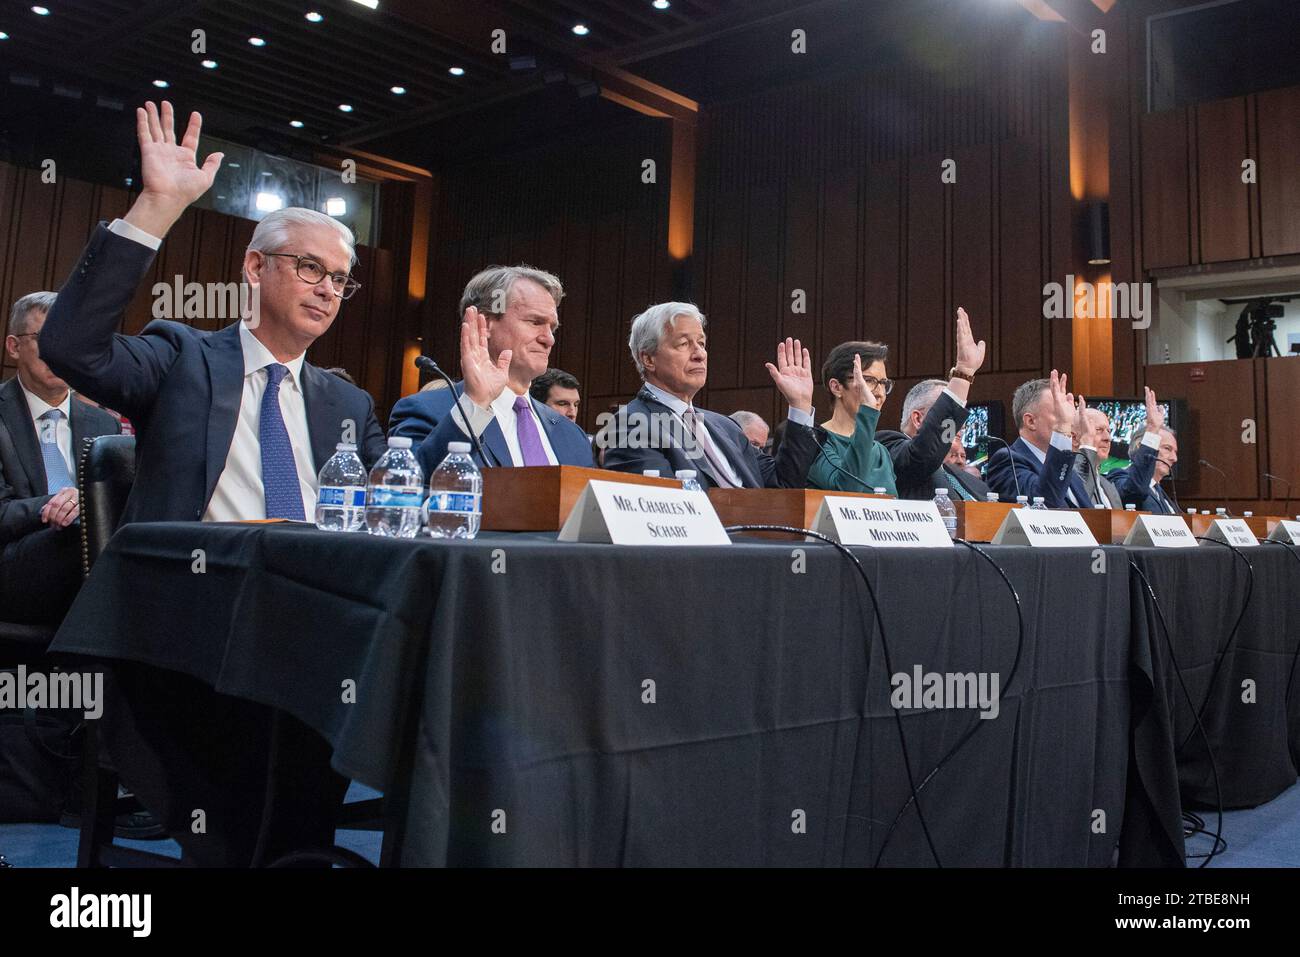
[44,226]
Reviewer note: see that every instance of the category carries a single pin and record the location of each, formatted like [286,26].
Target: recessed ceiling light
[372,4]
[661,4]
[336,206]
[3,35]
[209,64]
[345,107]
[161,84]
[257,41]
[457,71]
[296,124]
[269,202]
[399,90]
[41,11]
[313,17]
[580,29]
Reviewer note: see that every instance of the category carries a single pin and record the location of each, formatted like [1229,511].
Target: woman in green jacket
[851,459]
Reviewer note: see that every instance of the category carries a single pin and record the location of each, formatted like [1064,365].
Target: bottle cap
[940,491]
[1022,498]
[457,446]
[878,490]
[345,447]
[650,473]
[685,473]
[398,442]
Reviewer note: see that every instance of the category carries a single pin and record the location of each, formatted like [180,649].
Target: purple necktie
[530,443]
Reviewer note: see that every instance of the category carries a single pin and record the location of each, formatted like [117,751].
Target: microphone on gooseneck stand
[1010,455]
[1286,506]
[1214,468]
[428,365]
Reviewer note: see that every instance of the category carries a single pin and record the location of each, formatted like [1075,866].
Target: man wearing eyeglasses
[230,425]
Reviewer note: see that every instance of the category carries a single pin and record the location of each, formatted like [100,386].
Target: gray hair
[1140,430]
[22,311]
[492,287]
[649,327]
[920,396]
[745,419]
[1025,397]
[273,231]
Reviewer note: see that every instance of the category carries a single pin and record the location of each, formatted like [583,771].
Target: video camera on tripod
[1256,326]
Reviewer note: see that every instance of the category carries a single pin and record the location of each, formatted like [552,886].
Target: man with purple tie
[509,315]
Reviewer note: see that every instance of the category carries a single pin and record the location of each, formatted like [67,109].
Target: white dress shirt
[502,408]
[239,494]
[63,431]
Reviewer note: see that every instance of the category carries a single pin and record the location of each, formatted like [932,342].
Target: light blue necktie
[57,476]
[279,472]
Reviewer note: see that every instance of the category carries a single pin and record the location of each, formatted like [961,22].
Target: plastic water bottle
[395,492]
[341,502]
[688,480]
[990,496]
[455,505]
[650,473]
[1130,508]
[947,511]
[1022,501]
[1247,514]
[1039,502]
[879,490]
[1221,513]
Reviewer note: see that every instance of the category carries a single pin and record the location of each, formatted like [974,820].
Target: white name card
[1162,531]
[642,515]
[1044,528]
[884,524]
[1286,531]
[1234,531]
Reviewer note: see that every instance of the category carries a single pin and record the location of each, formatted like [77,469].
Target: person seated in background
[1088,458]
[1153,451]
[41,433]
[661,428]
[1039,462]
[934,412]
[755,429]
[851,460]
[509,317]
[559,390]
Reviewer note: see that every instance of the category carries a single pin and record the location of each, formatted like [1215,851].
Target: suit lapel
[492,439]
[324,415]
[18,418]
[225,359]
[735,457]
[550,423]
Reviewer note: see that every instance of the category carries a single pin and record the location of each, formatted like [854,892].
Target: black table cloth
[526,702]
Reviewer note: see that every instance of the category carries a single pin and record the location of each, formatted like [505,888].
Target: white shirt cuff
[799,417]
[134,233]
[952,395]
[1151,440]
[479,417]
[1062,441]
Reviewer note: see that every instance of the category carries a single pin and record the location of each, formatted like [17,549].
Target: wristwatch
[955,373]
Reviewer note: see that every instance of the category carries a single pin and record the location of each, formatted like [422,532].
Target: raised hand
[1155,418]
[171,178]
[970,354]
[858,386]
[1062,401]
[484,379]
[792,374]
[1080,422]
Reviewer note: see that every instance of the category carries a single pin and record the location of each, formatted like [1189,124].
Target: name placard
[1286,531]
[627,514]
[1161,531]
[1234,531]
[1044,528]
[881,523]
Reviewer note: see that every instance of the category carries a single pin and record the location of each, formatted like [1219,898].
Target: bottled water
[395,492]
[947,511]
[879,490]
[650,473]
[1130,508]
[688,480]
[1221,513]
[990,496]
[455,505]
[341,502]
[1039,502]
[1022,501]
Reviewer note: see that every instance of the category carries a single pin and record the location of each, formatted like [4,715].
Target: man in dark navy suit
[42,427]
[1041,460]
[662,429]
[509,316]
[1153,453]
[230,425]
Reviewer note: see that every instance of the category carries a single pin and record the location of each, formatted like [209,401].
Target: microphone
[1286,506]
[1010,455]
[428,365]
[1215,468]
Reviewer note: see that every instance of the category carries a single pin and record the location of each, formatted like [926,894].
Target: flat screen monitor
[984,419]
[1126,414]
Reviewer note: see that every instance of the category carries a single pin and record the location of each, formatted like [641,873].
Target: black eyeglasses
[872,382]
[311,272]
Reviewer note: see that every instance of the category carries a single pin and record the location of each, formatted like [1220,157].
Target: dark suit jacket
[666,451]
[22,469]
[1134,481]
[426,419]
[918,459]
[1050,479]
[1085,466]
[180,387]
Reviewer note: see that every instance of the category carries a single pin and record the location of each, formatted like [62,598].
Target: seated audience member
[755,429]
[1088,459]
[661,428]
[558,390]
[509,316]
[1039,461]
[233,424]
[851,460]
[1154,452]
[41,433]
[934,412]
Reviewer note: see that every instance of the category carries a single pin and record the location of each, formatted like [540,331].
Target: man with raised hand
[1039,462]
[230,425]
[1153,452]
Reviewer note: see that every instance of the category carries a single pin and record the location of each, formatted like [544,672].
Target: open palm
[169,169]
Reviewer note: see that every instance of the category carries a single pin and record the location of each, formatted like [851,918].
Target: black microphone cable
[427,364]
[1196,822]
[979,723]
[1290,550]
[822,454]
[884,647]
[1011,457]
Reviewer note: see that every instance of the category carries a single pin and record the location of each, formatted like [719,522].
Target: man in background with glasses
[230,425]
